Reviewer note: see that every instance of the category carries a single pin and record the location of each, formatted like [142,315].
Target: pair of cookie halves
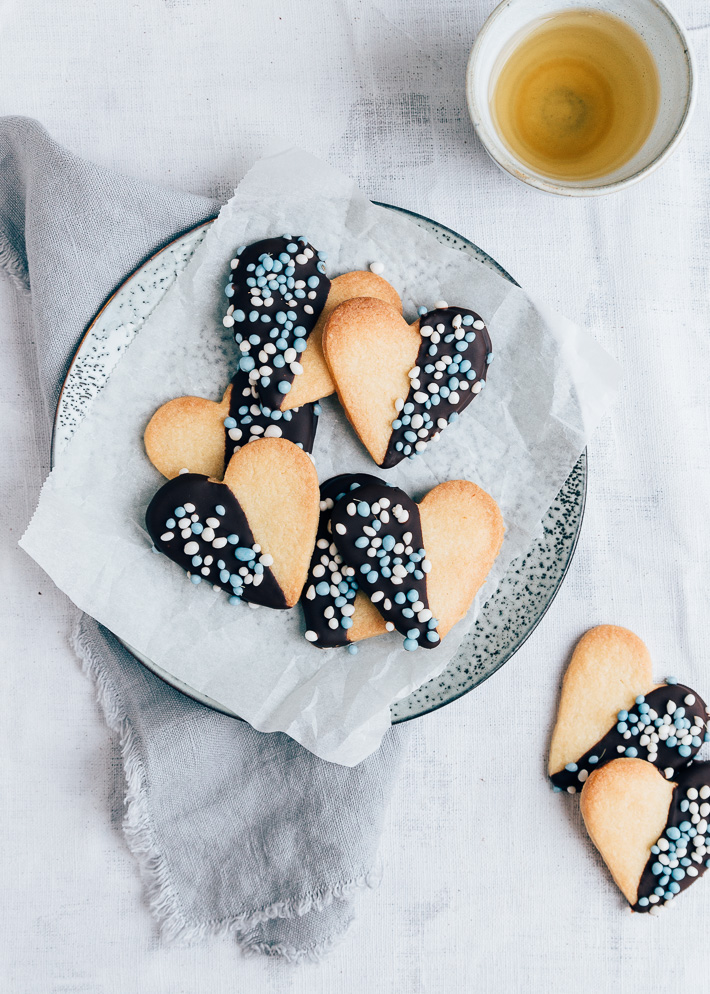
[629,745]
[383,562]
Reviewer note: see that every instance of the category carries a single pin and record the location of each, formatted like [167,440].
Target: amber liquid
[577,95]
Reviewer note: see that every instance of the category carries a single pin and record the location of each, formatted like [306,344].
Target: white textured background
[490,884]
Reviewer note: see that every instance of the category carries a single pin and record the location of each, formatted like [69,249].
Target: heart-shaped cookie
[202,435]
[401,385]
[316,381]
[421,565]
[652,833]
[276,292]
[610,706]
[337,613]
[251,535]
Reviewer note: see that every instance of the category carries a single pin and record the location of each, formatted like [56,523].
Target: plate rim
[114,293]
[174,682]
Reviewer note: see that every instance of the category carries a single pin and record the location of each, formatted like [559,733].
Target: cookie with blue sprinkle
[401,386]
[336,611]
[276,291]
[251,535]
[652,833]
[421,565]
[610,706]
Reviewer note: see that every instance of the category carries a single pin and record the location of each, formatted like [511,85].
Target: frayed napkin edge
[155,874]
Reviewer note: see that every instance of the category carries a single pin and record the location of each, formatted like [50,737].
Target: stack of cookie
[628,744]
[243,510]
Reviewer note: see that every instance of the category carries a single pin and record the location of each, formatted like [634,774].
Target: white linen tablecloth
[490,883]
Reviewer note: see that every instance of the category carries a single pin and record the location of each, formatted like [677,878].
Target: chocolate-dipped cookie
[251,535]
[201,436]
[277,290]
[610,706]
[337,613]
[651,832]
[421,565]
[401,385]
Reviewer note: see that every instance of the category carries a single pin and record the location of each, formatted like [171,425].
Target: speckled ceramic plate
[520,600]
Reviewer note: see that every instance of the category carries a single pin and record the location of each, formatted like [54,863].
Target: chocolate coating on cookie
[682,853]
[450,371]
[329,595]
[200,525]
[661,728]
[377,530]
[248,419]
[276,292]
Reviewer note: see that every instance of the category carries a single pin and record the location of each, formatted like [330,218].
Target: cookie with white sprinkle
[277,290]
[652,833]
[336,611]
[610,706]
[199,435]
[251,535]
[316,381]
[421,565]
[402,385]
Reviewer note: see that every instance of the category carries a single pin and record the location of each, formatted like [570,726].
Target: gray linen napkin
[234,830]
